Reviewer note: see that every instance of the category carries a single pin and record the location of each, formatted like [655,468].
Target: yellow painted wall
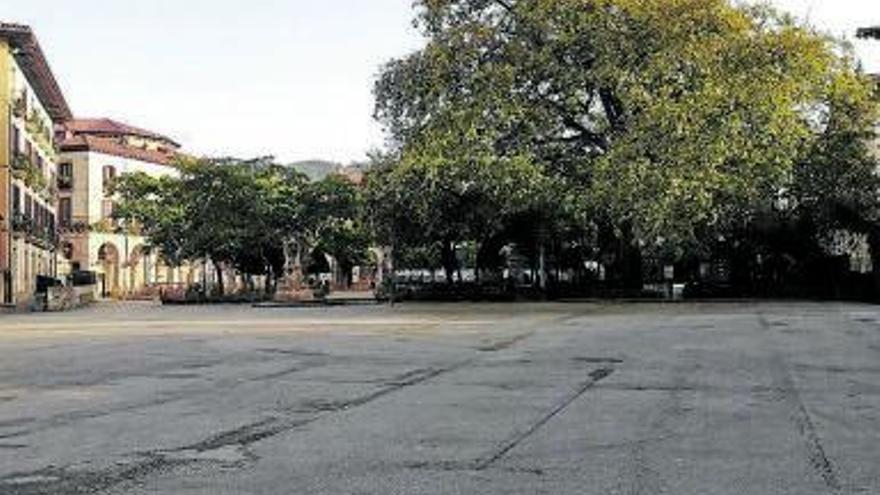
[5,111]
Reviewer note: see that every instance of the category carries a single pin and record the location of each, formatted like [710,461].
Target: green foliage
[836,185]
[157,205]
[657,123]
[334,223]
[41,132]
[26,171]
[244,214]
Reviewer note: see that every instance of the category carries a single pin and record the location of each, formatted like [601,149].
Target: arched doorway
[108,257]
[138,269]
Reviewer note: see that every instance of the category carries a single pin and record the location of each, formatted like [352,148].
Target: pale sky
[290,78]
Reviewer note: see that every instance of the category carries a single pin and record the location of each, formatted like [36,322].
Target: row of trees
[568,131]
[618,130]
[254,217]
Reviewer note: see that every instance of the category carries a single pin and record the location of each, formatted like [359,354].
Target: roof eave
[31,59]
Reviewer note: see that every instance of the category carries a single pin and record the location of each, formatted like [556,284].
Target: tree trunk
[270,276]
[477,248]
[392,269]
[542,268]
[447,253]
[219,269]
[630,261]
[874,244]
[347,275]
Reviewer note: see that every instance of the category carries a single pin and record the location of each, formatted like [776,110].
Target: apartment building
[32,105]
[94,152]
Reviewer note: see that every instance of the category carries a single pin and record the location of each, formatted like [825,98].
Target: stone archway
[138,269]
[108,257]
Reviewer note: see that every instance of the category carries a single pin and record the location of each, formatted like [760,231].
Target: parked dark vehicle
[82,278]
[44,283]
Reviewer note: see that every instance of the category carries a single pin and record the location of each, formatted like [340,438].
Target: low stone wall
[67,298]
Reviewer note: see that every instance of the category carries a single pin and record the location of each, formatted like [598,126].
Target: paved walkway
[446,399]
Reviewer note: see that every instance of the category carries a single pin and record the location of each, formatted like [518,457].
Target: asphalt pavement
[734,398]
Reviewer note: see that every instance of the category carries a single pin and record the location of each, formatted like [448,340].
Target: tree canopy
[571,133]
[243,214]
[658,124]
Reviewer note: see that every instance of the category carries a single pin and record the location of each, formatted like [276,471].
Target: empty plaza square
[769,398]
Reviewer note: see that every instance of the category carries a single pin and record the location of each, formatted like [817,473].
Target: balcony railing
[65,183]
[24,170]
[19,107]
[41,132]
[44,236]
[74,227]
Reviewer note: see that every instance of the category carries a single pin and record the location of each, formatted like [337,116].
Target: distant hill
[319,169]
[316,169]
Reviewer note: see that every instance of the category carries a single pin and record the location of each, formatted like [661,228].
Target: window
[65,176]
[16,200]
[65,213]
[16,140]
[107,209]
[109,174]
[39,215]
[67,251]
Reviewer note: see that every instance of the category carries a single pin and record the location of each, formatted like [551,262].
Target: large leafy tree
[837,184]
[452,189]
[335,224]
[665,120]
[837,187]
[235,213]
[249,215]
[155,206]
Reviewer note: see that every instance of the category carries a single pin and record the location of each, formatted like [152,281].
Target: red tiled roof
[33,63]
[113,147]
[109,127]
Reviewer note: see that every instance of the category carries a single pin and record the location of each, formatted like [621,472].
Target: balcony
[41,133]
[106,226]
[19,107]
[74,227]
[65,183]
[26,226]
[26,171]
[23,224]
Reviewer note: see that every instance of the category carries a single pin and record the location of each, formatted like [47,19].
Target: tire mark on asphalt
[55,481]
[595,377]
[504,344]
[800,416]
[80,482]
[803,421]
[266,428]
[65,419]
[83,482]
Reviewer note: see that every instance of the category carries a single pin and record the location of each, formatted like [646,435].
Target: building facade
[32,105]
[93,153]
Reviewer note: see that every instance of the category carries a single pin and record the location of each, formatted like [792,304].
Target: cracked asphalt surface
[746,398]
